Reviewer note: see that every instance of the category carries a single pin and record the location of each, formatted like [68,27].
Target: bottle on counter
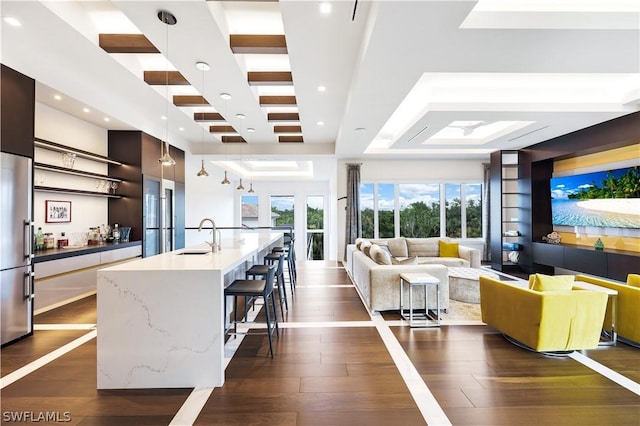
[49,241]
[63,241]
[116,233]
[39,239]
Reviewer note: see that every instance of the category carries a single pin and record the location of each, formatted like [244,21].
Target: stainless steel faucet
[215,245]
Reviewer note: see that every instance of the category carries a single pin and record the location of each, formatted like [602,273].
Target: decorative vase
[599,245]
[514,257]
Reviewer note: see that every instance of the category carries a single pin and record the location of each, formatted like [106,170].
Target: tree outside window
[419,210]
[366,209]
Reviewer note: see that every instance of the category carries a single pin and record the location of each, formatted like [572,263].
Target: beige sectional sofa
[379,284]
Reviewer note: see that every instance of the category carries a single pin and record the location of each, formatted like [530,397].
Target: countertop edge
[56,254]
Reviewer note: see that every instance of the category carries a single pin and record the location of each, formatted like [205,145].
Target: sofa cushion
[446,261]
[397,246]
[633,280]
[407,261]
[448,249]
[543,282]
[380,256]
[359,242]
[365,246]
[423,247]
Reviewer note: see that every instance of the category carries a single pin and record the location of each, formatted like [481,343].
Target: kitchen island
[160,319]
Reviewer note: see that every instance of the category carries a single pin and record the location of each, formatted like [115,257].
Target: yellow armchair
[544,321]
[627,307]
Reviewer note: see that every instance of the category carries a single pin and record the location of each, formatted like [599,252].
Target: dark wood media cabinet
[609,263]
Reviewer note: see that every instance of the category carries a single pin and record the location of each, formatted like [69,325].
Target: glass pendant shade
[202,171]
[166,159]
[251,191]
[225,181]
[240,187]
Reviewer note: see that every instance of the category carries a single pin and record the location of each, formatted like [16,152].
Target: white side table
[424,280]
[613,296]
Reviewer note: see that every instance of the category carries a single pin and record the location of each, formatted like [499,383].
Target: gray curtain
[486,223]
[353,220]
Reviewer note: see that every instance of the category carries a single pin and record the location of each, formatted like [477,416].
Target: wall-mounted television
[599,199]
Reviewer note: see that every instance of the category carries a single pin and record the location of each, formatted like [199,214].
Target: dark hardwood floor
[329,372]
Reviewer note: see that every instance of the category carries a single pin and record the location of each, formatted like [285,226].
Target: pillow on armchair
[541,282]
[633,280]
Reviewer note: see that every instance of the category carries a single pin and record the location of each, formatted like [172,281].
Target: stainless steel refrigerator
[16,247]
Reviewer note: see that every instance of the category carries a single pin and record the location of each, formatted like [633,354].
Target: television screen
[603,199]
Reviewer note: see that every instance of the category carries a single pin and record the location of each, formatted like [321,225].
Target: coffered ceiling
[386,79]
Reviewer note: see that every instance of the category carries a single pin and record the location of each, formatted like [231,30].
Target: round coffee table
[464,283]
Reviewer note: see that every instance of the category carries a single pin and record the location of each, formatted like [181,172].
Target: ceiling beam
[257,43]
[161,78]
[283,116]
[278,101]
[290,139]
[287,129]
[222,129]
[126,43]
[270,78]
[189,100]
[233,139]
[208,116]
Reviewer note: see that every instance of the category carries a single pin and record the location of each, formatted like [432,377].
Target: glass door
[315,227]
[151,217]
[168,220]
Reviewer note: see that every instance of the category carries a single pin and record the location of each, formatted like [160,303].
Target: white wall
[86,211]
[407,171]
[206,197]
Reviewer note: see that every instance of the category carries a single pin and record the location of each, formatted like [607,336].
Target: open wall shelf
[65,170]
[75,191]
[52,146]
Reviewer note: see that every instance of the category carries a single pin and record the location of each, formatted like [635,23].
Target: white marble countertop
[242,246]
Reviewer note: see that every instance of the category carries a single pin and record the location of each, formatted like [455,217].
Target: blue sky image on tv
[611,212]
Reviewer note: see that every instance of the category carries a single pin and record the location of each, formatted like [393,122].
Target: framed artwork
[57,211]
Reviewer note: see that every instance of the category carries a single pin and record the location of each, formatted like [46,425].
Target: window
[282,210]
[386,210]
[367,210]
[453,212]
[473,210]
[419,210]
[315,227]
[423,210]
[250,210]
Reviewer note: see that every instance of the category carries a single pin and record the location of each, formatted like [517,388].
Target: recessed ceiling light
[57,97]
[12,21]
[325,8]
[320,123]
[225,96]
[163,117]
[86,109]
[322,88]
[181,129]
[240,116]
[107,119]
[251,130]
[203,66]
[359,129]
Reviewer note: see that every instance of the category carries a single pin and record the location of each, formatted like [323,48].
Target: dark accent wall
[17,112]
[537,170]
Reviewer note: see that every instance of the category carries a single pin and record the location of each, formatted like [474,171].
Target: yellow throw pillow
[448,249]
[553,282]
[633,280]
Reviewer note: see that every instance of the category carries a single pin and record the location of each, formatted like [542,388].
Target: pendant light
[240,187]
[202,66]
[225,97]
[165,158]
[250,130]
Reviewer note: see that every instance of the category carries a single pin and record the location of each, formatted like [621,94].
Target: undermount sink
[194,251]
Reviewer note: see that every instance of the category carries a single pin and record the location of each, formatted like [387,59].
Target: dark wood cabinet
[612,264]
[17,112]
[143,174]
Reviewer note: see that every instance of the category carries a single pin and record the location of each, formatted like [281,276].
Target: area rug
[462,311]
